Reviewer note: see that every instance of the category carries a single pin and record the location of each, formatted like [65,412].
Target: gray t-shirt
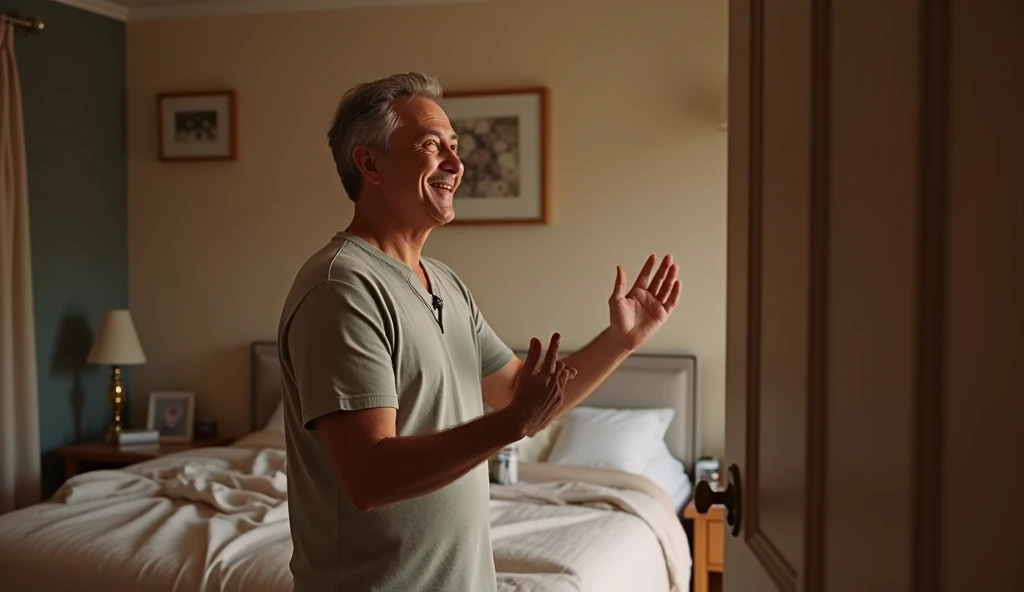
[359,330]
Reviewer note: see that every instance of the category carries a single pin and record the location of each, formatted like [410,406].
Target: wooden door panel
[742,570]
[971,529]
[874,288]
[770,271]
[872,276]
[779,393]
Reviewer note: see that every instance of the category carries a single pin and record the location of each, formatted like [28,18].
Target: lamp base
[115,396]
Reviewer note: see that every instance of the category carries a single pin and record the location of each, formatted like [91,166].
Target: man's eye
[432,144]
[455,148]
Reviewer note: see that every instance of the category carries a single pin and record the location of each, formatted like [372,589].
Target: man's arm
[594,363]
[376,467]
[635,317]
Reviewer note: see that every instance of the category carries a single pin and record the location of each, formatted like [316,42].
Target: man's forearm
[594,363]
[405,467]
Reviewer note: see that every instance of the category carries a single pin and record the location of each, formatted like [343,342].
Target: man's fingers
[565,376]
[666,287]
[552,356]
[532,356]
[663,270]
[673,296]
[559,367]
[645,273]
[619,290]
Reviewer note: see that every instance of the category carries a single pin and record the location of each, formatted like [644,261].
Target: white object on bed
[623,439]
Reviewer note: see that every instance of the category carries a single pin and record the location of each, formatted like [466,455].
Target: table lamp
[116,345]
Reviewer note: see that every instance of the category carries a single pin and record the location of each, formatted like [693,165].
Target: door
[874,334]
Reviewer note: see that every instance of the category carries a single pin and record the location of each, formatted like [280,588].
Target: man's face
[420,174]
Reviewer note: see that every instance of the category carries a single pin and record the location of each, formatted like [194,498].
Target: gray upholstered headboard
[265,391]
[653,380]
[643,380]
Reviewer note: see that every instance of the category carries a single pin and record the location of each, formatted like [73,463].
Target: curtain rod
[31,24]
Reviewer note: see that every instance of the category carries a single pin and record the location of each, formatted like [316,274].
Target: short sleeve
[340,351]
[494,354]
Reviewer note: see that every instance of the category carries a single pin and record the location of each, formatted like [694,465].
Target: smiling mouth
[444,186]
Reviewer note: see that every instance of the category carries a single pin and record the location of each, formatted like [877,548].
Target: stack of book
[138,439]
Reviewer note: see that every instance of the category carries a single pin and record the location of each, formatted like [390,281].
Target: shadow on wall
[68,361]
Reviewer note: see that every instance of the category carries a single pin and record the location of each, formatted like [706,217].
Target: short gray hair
[366,116]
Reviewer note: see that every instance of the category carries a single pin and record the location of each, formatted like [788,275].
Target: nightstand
[79,458]
[708,546]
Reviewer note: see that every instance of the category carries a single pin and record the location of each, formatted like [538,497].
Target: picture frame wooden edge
[190,414]
[544,93]
[232,95]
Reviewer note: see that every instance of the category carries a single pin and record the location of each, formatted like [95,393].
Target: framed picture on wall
[197,126]
[172,413]
[503,145]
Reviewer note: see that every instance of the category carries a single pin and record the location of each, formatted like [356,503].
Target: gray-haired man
[388,363]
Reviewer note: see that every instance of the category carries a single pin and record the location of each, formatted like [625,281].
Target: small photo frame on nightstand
[172,414]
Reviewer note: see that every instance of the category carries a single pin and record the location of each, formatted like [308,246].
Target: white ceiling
[162,9]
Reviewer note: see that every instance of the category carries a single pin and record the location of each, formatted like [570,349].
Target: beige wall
[637,166]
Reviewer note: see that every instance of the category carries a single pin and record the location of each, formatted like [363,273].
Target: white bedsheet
[217,519]
[572,536]
[137,528]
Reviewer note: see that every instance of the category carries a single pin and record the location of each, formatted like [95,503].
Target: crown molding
[100,7]
[198,9]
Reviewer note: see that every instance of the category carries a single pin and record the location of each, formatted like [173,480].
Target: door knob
[704,497]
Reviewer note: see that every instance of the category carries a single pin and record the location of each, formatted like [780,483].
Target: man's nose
[451,162]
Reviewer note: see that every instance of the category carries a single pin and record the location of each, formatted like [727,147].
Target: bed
[217,518]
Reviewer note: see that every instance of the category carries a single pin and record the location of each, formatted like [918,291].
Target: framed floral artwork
[197,126]
[503,145]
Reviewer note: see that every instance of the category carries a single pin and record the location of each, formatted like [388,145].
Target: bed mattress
[217,519]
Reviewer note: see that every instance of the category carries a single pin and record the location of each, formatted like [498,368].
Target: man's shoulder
[340,260]
[341,268]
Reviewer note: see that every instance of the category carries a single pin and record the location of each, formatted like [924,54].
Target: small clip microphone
[439,306]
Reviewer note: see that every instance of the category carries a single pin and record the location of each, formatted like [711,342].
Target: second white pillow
[623,439]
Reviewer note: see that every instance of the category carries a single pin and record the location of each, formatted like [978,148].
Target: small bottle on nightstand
[708,469]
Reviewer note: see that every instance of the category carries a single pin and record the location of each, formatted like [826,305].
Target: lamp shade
[117,343]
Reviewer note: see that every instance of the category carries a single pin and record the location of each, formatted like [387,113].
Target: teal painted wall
[73,93]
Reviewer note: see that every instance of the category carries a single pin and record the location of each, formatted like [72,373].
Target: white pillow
[276,421]
[666,470]
[623,439]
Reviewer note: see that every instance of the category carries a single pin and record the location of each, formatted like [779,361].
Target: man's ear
[366,159]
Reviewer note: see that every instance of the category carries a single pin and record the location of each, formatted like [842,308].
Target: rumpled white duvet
[217,519]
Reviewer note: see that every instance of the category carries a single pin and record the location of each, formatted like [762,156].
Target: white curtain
[19,402]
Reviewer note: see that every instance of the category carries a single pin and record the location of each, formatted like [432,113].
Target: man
[387,364]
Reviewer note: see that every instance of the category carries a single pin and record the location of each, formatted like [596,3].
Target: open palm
[638,314]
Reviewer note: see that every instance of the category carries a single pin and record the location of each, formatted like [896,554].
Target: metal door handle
[704,497]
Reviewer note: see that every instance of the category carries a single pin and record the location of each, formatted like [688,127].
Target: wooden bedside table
[708,546]
[80,457]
